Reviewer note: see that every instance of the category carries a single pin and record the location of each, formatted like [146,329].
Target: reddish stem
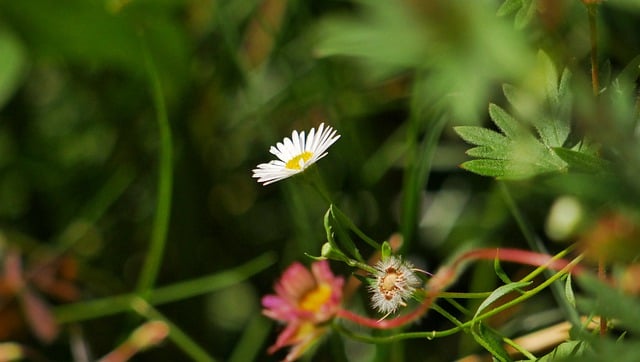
[519,256]
[390,323]
[447,274]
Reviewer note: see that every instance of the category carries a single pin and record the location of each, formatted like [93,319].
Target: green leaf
[500,272]
[550,75]
[486,167]
[568,291]
[525,14]
[344,220]
[603,349]
[499,293]
[517,153]
[12,64]
[507,124]
[386,250]
[329,230]
[508,7]
[554,126]
[491,341]
[481,136]
[564,350]
[345,240]
[488,152]
[581,162]
[611,303]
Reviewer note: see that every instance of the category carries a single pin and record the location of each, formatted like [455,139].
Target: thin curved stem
[447,275]
[439,334]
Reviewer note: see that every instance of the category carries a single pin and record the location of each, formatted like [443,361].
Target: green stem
[536,245]
[343,218]
[76,312]
[446,275]
[165,180]
[419,160]
[520,349]
[592,10]
[462,295]
[446,314]
[468,324]
[180,338]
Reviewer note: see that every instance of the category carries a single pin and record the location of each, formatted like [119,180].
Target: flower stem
[165,181]
[390,323]
[459,327]
[97,308]
[446,275]
[537,245]
[592,10]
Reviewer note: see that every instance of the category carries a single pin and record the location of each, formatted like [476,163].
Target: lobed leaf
[581,162]
[507,124]
[489,152]
[481,136]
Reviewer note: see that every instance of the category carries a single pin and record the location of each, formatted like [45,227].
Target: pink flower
[304,300]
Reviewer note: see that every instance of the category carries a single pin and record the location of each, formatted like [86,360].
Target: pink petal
[39,316]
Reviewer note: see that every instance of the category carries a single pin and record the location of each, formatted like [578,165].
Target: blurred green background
[80,143]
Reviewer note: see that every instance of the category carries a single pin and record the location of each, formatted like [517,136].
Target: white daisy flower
[295,154]
[394,283]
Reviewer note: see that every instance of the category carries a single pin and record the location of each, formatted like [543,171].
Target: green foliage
[129,129]
[12,64]
[500,292]
[611,303]
[525,11]
[516,153]
[491,341]
[565,351]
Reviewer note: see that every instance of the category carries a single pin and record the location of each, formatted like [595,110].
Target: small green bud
[386,250]
[330,252]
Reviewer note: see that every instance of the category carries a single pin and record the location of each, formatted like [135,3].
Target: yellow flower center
[389,281]
[316,298]
[296,164]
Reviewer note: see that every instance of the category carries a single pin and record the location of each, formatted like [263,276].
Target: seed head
[392,284]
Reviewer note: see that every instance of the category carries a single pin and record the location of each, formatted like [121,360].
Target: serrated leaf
[563,85]
[489,152]
[508,7]
[505,169]
[525,14]
[499,293]
[552,131]
[481,136]
[518,153]
[581,162]
[550,75]
[486,167]
[511,93]
[507,124]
